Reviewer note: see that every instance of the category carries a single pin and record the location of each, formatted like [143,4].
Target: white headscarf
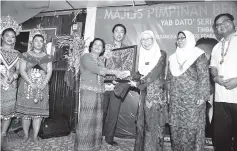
[152,56]
[185,56]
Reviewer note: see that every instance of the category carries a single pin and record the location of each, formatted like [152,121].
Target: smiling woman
[33,94]
[92,72]
[188,89]
[152,110]
[9,69]
[149,52]
[147,41]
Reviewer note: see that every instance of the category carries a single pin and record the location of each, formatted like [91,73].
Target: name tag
[147,63]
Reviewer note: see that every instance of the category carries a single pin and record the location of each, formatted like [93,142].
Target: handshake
[122,74]
[121,89]
[136,79]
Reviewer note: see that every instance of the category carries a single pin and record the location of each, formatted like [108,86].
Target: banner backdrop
[165,20]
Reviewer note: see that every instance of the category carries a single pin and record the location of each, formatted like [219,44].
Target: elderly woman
[33,95]
[152,106]
[89,128]
[188,89]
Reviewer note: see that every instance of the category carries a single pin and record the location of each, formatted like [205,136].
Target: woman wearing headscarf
[188,89]
[152,105]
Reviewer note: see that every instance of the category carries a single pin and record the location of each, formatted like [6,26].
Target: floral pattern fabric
[152,111]
[186,117]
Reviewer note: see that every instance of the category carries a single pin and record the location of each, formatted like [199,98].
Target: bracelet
[103,72]
[46,81]
[214,78]
[113,72]
[29,82]
[15,76]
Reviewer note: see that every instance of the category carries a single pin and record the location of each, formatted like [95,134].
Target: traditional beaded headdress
[38,31]
[9,22]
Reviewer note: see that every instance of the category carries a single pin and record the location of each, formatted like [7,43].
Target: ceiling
[53,5]
[23,10]
[72,4]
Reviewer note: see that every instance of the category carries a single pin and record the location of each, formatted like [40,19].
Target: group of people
[24,80]
[178,96]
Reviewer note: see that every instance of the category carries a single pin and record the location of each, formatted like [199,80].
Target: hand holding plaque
[121,89]
[124,74]
[136,79]
[122,59]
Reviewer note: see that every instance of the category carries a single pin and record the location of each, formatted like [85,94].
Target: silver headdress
[38,31]
[9,22]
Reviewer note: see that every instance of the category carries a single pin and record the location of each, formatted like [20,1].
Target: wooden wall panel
[62,98]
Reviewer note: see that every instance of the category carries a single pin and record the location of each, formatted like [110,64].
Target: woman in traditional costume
[9,69]
[92,70]
[33,95]
[152,109]
[188,89]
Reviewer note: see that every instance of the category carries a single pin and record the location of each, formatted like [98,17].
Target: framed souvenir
[122,59]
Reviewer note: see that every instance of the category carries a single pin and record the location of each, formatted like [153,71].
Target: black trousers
[111,107]
[225,126]
[209,126]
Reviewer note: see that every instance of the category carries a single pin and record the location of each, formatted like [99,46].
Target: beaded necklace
[37,55]
[180,64]
[9,55]
[223,52]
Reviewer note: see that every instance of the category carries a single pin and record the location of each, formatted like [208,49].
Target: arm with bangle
[48,76]
[24,74]
[90,65]
[16,73]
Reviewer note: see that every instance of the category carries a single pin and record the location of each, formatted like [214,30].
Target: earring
[31,46]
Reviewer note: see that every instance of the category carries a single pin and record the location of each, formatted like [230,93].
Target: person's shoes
[113,143]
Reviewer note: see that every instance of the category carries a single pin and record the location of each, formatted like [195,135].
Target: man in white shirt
[224,73]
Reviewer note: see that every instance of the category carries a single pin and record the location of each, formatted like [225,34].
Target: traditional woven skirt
[26,104]
[89,127]
[8,101]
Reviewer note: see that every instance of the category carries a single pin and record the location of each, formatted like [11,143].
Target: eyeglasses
[224,22]
[146,39]
[181,38]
